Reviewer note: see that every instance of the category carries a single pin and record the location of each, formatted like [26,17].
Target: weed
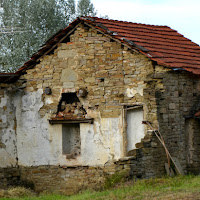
[118,177]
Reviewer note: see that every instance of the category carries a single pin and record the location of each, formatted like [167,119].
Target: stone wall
[113,76]
[176,101]
[111,73]
[145,162]
[63,180]
[192,130]
[148,160]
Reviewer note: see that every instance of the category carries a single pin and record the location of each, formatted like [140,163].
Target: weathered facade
[75,114]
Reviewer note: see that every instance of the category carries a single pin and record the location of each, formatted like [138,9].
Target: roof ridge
[127,22]
[160,41]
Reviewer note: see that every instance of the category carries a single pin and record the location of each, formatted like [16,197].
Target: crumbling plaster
[116,79]
[32,131]
[8,150]
[40,143]
[113,76]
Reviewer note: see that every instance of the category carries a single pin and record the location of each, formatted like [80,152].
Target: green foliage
[30,23]
[25,25]
[112,180]
[86,8]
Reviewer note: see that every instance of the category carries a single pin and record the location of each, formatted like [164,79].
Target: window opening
[71,141]
[135,128]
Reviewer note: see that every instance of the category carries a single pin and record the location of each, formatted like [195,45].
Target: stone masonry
[115,78]
[143,163]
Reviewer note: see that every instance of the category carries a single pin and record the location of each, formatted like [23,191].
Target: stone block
[69,75]
[139,145]
[172,106]
[89,57]
[89,79]
[66,54]
[163,110]
[132,153]
[68,85]
[154,144]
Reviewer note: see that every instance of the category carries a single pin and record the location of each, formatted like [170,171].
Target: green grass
[180,187]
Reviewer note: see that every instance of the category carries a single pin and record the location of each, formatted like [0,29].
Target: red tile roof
[160,43]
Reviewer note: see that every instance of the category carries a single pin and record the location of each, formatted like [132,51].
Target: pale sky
[181,15]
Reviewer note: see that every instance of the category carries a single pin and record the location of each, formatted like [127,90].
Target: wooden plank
[177,163]
[169,170]
[70,121]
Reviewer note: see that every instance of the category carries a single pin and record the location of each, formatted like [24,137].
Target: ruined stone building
[72,115]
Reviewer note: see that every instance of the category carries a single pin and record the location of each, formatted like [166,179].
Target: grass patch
[112,180]
[16,192]
[166,188]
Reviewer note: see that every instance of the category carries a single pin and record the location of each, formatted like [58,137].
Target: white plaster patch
[32,101]
[48,101]
[6,159]
[4,118]
[8,154]
[97,145]
[140,89]
[8,138]
[135,128]
[131,92]
[32,131]
[3,101]
[40,143]
[112,137]
[93,151]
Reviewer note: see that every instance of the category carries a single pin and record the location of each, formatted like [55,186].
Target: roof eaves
[9,77]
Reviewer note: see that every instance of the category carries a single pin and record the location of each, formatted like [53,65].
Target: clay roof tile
[160,43]
[163,44]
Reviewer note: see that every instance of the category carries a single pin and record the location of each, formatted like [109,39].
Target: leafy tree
[86,8]
[26,24]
